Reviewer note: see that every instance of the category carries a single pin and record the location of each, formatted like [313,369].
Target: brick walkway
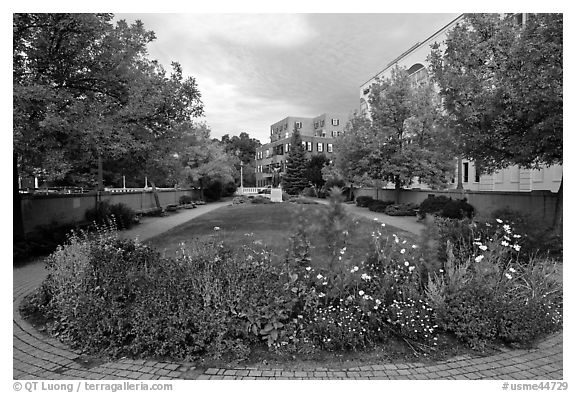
[37,356]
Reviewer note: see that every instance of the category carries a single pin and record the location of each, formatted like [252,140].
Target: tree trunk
[17,203]
[156,198]
[558,209]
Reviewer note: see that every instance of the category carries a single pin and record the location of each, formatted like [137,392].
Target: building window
[287,135]
[335,122]
[465,166]
[366,91]
[320,147]
[321,123]
[287,149]
[267,153]
[329,147]
[309,146]
[298,124]
[315,124]
[323,134]
[476,176]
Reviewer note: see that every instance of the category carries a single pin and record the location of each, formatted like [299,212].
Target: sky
[256,69]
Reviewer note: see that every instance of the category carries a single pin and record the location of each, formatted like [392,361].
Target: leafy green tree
[84,90]
[294,180]
[205,164]
[314,169]
[502,89]
[244,148]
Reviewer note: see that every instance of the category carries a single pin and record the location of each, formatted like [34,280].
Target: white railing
[248,190]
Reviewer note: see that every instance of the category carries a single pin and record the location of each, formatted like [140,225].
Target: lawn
[269,225]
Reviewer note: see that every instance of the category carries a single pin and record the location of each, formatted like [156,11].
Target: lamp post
[241,178]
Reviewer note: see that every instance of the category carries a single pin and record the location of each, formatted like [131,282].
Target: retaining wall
[539,204]
[42,210]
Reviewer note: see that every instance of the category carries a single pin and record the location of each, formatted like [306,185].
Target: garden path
[408,224]
[37,356]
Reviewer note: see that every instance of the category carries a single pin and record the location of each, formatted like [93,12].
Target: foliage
[377,205]
[536,237]
[482,293]
[314,170]
[502,88]
[432,205]
[243,147]
[185,199]
[457,209]
[84,88]
[122,215]
[364,201]
[309,192]
[258,199]
[404,209]
[294,180]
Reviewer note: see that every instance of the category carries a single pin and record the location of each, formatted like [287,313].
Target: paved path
[153,226]
[408,224]
[37,356]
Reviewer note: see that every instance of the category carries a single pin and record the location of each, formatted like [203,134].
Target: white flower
[402,251]
[361,293]
[321,294]
[216,228]
[512,270]
[406,263]
[325,283]
[355,268]
[308,268]
[365,277]
[378,301]
[505,243]
[411,268]
[483,248]
[499,221]
[479,258]
[516,236]
[441,270]
[375,219]
[516,247]
[508,276]
[383,224]
[319,277]
[414,246]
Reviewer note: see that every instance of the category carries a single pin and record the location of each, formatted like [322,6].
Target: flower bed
[118,297]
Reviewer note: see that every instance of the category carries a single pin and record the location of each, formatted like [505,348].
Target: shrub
[364,201]
[103,212]
[457,209]
[432,205]
[309,192]
[185,200]
[258,199]
[241,199]
[404,209]
[378,206]
[536,237]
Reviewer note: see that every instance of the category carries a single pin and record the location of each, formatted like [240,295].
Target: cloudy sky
[256,69]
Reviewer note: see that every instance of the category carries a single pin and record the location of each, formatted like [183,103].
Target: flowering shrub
[121,297]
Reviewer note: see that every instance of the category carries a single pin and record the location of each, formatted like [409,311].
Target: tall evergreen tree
[294,180]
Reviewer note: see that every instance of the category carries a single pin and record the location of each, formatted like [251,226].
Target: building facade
[318,135]
[513,178]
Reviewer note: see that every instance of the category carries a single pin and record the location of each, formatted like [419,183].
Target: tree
[244,148]
[502,89]
[294,180]
[314,170]
[204,162]
[84,91]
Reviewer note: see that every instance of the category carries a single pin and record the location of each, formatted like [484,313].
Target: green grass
[269,225]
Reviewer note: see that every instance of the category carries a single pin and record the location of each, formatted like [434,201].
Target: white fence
[248,190]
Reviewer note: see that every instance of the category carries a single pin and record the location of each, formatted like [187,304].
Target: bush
[404,209]
[432,205]
[364,201]
[185,200]
[457,209]
[309,192]
[536,238]
[103,212]
[378,206]
[258,199]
